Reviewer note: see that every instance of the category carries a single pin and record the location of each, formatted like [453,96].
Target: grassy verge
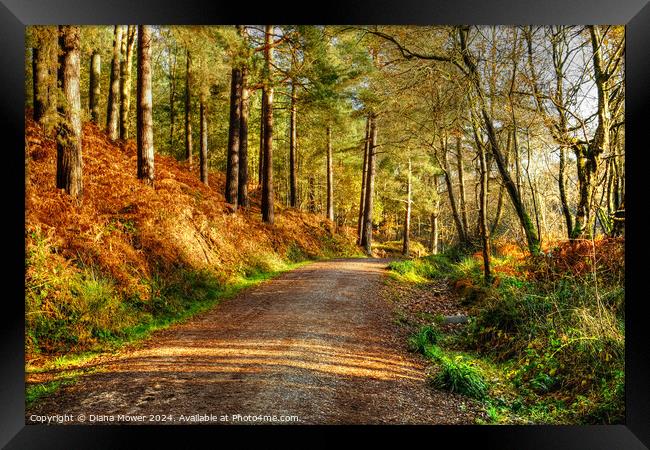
[93,318]
[545,343]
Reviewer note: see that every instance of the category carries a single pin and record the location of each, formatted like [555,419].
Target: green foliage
[423,339]
[457,375]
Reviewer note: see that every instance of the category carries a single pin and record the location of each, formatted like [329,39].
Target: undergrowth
[548,334]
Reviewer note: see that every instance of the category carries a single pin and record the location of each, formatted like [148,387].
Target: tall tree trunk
[145,107]
[172,96]
[203,155]
[433,239]
[113,111]
[366,145]
[69,165]
[125,82]
[267,180]
[461,186]
[188,111]
[366,241]
[232,164]
[330,176]
[485,232]
[242,189]
[293,182]
[260,159]
[406,245]
[95,88]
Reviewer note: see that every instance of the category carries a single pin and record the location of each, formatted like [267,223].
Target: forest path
[317,343]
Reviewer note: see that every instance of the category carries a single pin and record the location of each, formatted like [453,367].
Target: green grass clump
[456,375]
[424,338]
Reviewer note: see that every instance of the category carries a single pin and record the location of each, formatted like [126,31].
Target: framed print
[413,215]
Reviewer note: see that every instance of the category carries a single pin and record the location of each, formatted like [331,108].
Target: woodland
[170,167]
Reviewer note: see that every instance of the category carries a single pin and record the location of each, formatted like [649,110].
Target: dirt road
[316,343]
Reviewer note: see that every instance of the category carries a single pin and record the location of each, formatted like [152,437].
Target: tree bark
[267,97]
[203,155]
[260,159]
[330,176]
[366,241]
[293,181]
[232,164]
[113,112]
[406,245]
[433,241]
[483,221]
[172,96]
[69,166]
[242,189]
[145,107]
[40,79]
[125,82]
[461,186]
[95,87]
[188,111]
[362,201]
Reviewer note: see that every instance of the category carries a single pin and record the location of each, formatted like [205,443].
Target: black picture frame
[16,14]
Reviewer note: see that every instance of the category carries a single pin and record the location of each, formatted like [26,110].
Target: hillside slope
[128,253]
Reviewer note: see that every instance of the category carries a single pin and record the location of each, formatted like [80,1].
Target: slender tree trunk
[145,107]
[125,82]
[232,164]
[485,232]
[461,186]
[330,176]
[260,159]
[242,189]
[69,165]
[366,241]
[95,88]
[292,149]
[267,181]
[113,112]
[366,145]
[406,245]
[172,96]
[462,237]
[433,240]
[188,111]
[203,155]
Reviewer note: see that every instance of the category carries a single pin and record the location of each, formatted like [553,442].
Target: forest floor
[317,345]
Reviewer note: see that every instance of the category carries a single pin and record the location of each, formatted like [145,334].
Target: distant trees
[145,107]
[69,165]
